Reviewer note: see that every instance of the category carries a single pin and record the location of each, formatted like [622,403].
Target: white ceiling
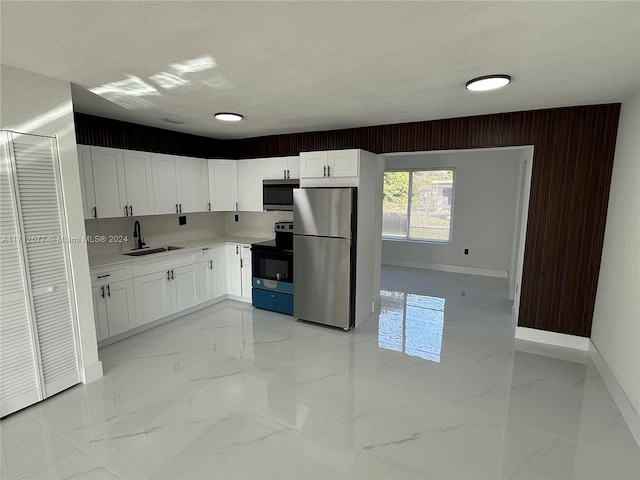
[304,66]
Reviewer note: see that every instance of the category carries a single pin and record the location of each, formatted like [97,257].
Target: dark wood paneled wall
[573,160]
[105,132]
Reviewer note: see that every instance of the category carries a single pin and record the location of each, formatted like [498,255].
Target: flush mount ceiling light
[488,82]
[228,117]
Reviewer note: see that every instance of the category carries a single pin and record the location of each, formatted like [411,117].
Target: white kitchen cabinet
[223,185]
[219,271]
[138,177]
[188,285]
[282,168]
[329,164]
[109,182]
[234,270]
[192,185]
[245,267]
[165,194]
[86,182]
[250,176]
[153,294]
[114,308]
[100,313]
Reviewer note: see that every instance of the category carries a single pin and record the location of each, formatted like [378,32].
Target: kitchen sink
[150,251]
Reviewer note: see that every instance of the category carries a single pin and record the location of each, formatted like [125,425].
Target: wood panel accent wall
[573,160]
[105,132]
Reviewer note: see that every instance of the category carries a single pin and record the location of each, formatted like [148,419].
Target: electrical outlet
[466,251]
[182,220]
[236,217]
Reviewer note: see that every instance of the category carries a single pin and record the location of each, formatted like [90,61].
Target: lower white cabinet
[129,295]
[234,270]
[218,271]
[114,308]
[160,294]
[245,267]
[153,297]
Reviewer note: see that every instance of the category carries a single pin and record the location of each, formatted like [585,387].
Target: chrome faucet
[137,234]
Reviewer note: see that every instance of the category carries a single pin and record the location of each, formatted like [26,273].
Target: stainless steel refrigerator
[324,246]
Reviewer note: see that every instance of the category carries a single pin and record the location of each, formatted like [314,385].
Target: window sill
[416,240]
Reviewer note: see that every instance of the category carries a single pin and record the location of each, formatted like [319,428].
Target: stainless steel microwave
[278,194]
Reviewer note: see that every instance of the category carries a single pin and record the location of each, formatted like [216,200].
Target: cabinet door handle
[95,212]
[241,263]
[131,210]
[211,264]
[284,173]
[325,171]
[236,206]
[171,274]
[180,208]
[109,290]
[102,290]
[168,275]
[177,208]
[288,174]
[209,206]
[328,170]
[126,211]
[205,248]
[104,276]
[237,250]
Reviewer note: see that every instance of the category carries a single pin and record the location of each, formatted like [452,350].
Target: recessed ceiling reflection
[412,324]
[129,93]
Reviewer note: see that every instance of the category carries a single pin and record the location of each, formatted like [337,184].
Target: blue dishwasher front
[272,295]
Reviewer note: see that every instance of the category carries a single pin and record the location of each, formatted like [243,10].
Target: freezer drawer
[322,271]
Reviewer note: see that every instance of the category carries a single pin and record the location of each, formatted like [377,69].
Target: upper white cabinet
[250,176]
[330,164]
[109,182]
[86,181]
[282,168]
[164,183]
[192,184]
[223,185]
[138,177]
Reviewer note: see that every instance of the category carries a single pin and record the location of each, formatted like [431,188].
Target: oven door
[272,264]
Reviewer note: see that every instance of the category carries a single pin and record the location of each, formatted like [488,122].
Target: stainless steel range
[272,271]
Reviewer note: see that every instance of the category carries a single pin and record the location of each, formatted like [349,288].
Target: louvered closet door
[19,371]
[40,209]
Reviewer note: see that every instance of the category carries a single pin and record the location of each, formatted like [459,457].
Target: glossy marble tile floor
[436,388]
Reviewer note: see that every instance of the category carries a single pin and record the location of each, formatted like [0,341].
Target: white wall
[484,212]
[616,320]
[32,103]
[157,230]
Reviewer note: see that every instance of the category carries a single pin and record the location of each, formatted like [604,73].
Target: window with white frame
[418,205]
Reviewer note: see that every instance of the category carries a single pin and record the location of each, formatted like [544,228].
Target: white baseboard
[92,372]
[553,338]
[485,272]
[629,414]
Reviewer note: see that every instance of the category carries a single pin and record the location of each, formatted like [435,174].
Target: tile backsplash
[160,230]
[254,224]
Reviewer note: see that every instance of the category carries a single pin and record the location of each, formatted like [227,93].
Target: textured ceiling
[301,66]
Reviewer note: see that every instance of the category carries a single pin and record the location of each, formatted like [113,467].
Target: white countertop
[114,258]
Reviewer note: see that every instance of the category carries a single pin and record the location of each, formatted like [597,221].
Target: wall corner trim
[92,372]
[553,338]
[630,416]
